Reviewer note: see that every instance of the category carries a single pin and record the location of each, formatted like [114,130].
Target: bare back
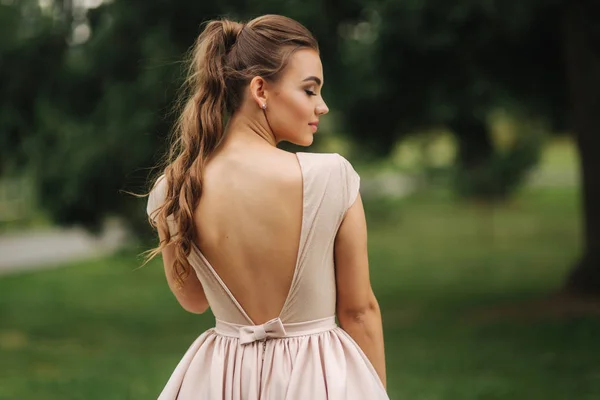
[267,223]
[248,225]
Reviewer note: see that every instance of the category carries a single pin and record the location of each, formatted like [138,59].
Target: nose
[322,109]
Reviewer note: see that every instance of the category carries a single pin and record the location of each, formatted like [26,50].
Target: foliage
[90,116]
[31,50]
[430,61]
[505,170]
[451,64]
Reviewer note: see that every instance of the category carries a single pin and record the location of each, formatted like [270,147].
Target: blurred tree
[436,63]
[109,110]
[582,54]
[32,47]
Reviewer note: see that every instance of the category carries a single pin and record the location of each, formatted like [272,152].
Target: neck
[243,129]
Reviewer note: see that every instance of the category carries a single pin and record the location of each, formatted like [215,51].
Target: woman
[273,242]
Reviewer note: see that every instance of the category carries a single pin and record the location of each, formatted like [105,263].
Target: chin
[299,140]
[304,141]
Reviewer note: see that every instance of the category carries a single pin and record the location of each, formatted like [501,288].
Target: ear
[258,90]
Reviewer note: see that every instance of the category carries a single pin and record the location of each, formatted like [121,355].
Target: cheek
[291,112]
[295,110]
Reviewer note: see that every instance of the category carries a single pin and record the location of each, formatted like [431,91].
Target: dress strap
[274,329]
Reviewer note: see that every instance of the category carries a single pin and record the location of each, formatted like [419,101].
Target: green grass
[455,283]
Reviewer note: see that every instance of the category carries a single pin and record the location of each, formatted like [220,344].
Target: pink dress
[302,354]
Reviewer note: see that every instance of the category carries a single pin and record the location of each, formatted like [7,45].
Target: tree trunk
[474,154]
[582,57]
[474,144]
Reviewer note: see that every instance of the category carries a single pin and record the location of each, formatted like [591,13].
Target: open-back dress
[302,354]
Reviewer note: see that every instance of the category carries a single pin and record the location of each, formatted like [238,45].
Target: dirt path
[53,247]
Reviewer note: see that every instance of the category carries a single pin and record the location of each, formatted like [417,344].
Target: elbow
[195,308]
[358,315]
[191,298]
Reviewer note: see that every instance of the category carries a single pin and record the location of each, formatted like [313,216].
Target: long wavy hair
[222,62]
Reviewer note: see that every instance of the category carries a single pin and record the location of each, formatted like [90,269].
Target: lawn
[464,290]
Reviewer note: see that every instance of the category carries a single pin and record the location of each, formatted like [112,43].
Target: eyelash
[310,92]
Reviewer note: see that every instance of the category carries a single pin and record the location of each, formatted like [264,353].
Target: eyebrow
[313,78]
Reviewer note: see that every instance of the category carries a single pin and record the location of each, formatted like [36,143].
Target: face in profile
[295,103]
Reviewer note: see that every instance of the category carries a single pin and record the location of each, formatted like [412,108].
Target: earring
[264,106]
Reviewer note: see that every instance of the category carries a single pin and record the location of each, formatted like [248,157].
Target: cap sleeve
[351,183]
[157,196]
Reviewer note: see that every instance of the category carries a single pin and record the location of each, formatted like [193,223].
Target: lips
[314,125]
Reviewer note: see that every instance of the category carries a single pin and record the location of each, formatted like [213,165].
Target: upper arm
[354,293]
[190,294]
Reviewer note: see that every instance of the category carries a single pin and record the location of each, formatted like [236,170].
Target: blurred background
[475,126]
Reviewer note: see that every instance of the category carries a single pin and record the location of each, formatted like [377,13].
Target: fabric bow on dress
[270,329]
